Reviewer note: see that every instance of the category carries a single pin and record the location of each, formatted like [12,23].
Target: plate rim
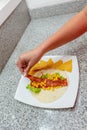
[56,107]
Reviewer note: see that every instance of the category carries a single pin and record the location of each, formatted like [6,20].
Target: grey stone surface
[15,115]
[58,9]
[11,32]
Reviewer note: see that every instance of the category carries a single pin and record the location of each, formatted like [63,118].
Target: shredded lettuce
[45,75]
[62,78]
[32,89]
[58,74]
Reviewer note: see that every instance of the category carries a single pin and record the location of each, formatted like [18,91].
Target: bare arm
[75,27]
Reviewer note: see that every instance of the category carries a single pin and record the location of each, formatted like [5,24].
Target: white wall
[6,8]
[32,4]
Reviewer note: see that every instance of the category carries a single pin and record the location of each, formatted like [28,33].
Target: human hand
[27,60]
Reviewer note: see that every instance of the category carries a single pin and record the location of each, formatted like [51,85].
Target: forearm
[71,30]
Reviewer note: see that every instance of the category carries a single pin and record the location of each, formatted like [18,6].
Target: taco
[48,85]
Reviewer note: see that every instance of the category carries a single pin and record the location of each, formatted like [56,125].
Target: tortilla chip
[66,66]
[49,63]
[57,64]
[41,65]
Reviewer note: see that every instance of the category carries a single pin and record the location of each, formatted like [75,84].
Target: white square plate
[66,101]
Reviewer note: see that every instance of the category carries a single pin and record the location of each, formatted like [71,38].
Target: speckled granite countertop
[18,116]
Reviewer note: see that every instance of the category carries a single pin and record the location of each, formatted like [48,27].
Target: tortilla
[47,96]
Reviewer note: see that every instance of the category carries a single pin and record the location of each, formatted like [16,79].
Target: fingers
[21,66]
[27,69]
[26,61]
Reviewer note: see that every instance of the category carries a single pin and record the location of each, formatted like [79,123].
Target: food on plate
[47,81]
[66,66]
[60,65]
[57,64]
[41,65]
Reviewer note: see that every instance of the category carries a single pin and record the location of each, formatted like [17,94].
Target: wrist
[41,49]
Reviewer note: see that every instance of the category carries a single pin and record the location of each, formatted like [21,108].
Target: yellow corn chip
[49,63]
[57,64]
[41,65]
[66,66]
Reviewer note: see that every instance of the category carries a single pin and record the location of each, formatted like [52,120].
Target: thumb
[27,70]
